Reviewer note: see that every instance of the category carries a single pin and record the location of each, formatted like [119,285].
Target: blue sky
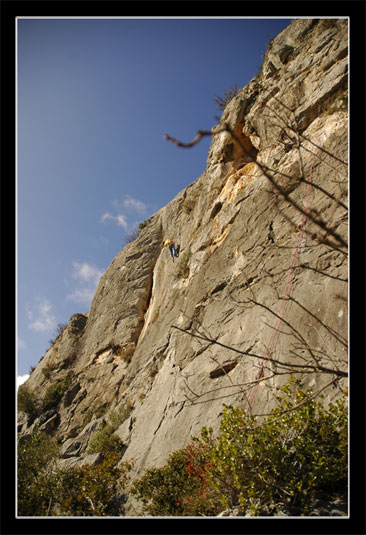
[94,99]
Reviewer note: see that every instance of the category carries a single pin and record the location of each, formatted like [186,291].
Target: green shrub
[172,490]
[45,490]
[117,417]
[126,353]
[105,441]
[282,459]
[190,200]
[340,103]
[135,232]
[182,269]
[27,402]
[46,370]
[256,465]
[54,394]
[92,490]
[188,205]
[144,224]
[35,480]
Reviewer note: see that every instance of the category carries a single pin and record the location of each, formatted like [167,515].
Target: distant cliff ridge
[262,271]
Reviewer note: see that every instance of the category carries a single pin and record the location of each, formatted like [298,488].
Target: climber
[174,251]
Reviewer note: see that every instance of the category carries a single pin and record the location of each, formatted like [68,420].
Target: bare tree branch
[314,361]
[290,365]
[318,221]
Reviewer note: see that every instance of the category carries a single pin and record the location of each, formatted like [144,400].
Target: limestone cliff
[262,270]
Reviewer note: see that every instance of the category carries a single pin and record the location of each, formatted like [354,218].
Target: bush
[58,331]
[47,370]
[126,353]
[35,480]
[117,417]
[27,402]
[45,490]
[92,490]
[172,490]
[190,201]
[340,103]
[54,394]
[182,270]
[144,224]
[282,459]
[297,450]
[229,94]
[105,441]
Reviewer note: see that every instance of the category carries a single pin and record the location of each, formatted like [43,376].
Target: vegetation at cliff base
[45,489]
[255,465]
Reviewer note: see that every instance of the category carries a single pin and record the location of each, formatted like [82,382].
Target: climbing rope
[284,301]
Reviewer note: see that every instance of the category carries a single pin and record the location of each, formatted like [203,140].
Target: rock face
[262,270]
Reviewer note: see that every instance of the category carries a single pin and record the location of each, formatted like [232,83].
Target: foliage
[299,448]
[46,490]
[190,201]
[118,416]
[27,402]
[97,409]
[282,459]
[154,369]
[172,490]
[144,224]
[54,394]
[182,270]
[58,331]
[46,370]
[36,481]
[106,442]
[126,353]
[92,490]
[229,94]
[188,205]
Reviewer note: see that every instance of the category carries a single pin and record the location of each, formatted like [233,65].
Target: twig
[91,502]
[264,169]
[303,402]
[197,139]
[300,367]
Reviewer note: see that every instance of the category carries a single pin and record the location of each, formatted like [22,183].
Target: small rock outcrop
[260,283]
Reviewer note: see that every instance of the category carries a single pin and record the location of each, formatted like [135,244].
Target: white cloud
[105,217]
[82,295]
[41,318]
[127,204]
[120,219]
[87,272]
[21,379]
[20,343]
[134,204]
[89,275]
